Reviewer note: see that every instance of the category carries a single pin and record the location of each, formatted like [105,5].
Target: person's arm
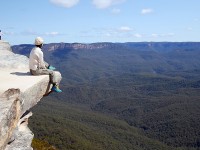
[41,60]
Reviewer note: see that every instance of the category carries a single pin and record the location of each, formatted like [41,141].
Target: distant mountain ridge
[157,46]
[117,58]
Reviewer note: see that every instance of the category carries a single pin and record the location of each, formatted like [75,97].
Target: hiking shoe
[51,68]
[55,88]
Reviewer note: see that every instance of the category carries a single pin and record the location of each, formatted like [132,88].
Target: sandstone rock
[22,135]
[19,91]
[5,46]
[9,115]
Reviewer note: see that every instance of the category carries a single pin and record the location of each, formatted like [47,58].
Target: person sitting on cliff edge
[38,66]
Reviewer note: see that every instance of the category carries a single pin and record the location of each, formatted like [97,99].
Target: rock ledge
[19,91]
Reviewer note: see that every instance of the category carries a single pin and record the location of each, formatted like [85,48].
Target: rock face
[19,91]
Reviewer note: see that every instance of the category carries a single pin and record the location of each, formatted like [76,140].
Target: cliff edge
[19,91]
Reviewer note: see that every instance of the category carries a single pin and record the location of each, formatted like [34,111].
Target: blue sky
[89,21]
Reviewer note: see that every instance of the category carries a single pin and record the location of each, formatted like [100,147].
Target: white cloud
[167,35]
[125,29]
[65,3]
[29,32]
[137,35]
[52,33]
[155,35]
[146,11]
[115,11]
[102,4]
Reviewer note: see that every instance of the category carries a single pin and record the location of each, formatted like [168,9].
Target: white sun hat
[39,41]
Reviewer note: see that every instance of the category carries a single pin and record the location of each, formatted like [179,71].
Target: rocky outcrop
[77,46]
[19,91]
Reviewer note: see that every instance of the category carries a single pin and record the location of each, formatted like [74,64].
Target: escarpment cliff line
[19,91]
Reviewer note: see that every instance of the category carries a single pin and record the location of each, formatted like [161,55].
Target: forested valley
[120,96]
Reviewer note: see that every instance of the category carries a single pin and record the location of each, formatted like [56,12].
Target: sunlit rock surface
[19,91]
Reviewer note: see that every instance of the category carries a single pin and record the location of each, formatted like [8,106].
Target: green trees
[122,96]
[67,127]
